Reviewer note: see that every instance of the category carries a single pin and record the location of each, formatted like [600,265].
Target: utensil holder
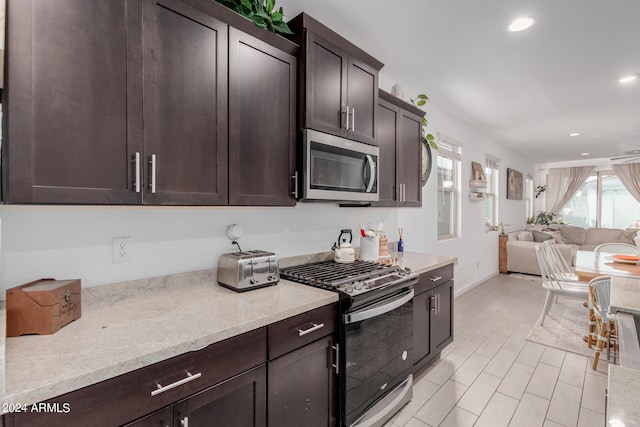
[369,248]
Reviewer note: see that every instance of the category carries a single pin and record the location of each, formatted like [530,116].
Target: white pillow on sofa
[526,236]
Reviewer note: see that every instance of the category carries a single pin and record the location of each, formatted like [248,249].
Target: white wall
[75,242]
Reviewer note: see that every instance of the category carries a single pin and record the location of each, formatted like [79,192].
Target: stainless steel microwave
[340,169]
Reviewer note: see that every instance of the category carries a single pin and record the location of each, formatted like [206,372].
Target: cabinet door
[386,139]
[239,401]
[408,158]
[326,86]
[71,117]
[362,100]
[262,114]
[301,389]
[185,105]
[442,321]
[422,327]
[160,418]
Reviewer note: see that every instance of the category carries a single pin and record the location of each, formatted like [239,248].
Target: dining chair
[618,248]
[600,296]
[553,281]
[563,270]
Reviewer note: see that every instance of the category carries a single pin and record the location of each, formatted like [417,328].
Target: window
[491,165]
[449,155]
[528,196]
[603,201]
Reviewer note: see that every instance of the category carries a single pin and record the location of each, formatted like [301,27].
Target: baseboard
[475,283]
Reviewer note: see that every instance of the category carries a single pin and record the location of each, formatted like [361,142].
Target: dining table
[590,265]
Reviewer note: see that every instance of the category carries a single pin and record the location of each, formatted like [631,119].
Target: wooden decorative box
[42,307]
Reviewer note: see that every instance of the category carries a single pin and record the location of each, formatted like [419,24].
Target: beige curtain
[563,184]
[629,175]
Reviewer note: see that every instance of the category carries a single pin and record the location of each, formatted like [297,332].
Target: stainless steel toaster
[245,270]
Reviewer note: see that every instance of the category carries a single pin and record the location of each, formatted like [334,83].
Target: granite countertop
[625,295]
[623,390]
[130,325]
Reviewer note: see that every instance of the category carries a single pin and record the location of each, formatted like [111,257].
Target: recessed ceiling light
[628,79]
[574,134]
[584,154]
[520,24]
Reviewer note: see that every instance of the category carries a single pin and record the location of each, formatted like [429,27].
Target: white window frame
[492,169]
[529,192]
[452,150]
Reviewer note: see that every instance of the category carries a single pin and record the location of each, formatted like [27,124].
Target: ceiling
[526,90]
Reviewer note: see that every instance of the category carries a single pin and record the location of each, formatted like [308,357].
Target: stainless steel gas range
[376,335]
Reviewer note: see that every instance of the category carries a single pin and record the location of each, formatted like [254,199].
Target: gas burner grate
[329,274]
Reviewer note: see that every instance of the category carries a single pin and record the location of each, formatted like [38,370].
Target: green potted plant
[421,100]
[261,12]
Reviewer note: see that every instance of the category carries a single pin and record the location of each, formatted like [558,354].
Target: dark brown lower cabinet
[239,401]
[302,380]
[433,315]
[301,386]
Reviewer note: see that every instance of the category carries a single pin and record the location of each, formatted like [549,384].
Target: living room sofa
[521,253]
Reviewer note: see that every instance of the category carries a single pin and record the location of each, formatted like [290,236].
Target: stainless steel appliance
[336,168]
[245,270]
[376,335]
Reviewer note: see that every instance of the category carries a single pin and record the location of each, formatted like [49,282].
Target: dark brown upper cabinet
[262,122]
[72,102]
[164,102]
[399,139]
[338,88]
[185,105]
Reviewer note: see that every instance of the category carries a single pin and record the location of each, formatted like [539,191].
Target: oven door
[378,343]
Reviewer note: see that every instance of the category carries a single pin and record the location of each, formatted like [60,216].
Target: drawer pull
[315,327]
[435,279]
[185,380]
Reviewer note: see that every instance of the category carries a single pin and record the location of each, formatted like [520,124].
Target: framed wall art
[515,184]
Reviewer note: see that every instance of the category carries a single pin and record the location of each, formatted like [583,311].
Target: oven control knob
[348,288]
[358,286]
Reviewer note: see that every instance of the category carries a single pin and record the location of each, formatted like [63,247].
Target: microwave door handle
[372,177]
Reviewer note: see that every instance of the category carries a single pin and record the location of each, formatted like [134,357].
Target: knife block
[42,307]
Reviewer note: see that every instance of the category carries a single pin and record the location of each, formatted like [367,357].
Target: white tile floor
[491,376]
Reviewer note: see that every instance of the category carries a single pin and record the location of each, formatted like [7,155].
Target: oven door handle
[380,308]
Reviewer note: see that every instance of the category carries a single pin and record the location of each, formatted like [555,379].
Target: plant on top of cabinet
[264,15]
[421,100]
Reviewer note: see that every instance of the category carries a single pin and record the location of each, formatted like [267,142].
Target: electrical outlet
[122,250]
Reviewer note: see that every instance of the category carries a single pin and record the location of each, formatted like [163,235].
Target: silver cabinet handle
[136,172]
[435,278]
[437,303]
[313,328]
[347,114]
[433,305]
[404,193]
[185,380]
[152,163]
[372,168]
[295,185]
[353,119]
[337,365]
[184,422]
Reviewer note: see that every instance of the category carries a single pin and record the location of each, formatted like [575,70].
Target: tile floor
[491,376]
